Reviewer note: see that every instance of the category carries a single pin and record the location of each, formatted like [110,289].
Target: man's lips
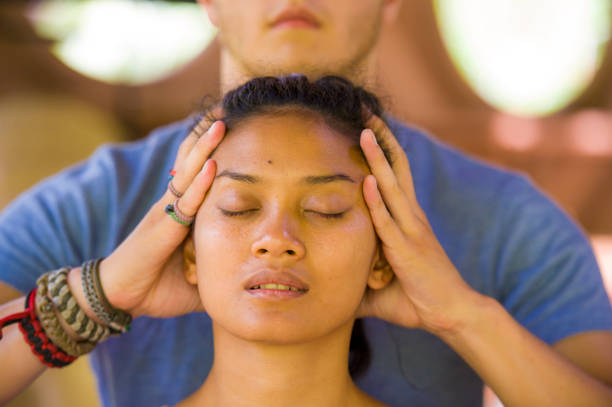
[295,18]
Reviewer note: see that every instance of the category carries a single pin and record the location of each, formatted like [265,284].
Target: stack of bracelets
[52,301]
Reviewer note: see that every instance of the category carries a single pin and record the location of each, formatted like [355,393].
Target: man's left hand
[427,291]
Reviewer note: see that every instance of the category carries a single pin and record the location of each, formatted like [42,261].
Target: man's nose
[277,240]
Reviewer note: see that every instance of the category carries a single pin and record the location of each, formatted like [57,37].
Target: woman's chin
[281,322]
[281,328]
[274,332]
[269,331]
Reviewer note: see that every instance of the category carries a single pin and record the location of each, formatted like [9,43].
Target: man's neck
[233,74]
[248,373]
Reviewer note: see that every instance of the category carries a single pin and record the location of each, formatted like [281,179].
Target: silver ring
[173,190]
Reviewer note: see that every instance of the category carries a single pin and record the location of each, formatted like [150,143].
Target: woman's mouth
[276,284]
[276,291]
[273,286]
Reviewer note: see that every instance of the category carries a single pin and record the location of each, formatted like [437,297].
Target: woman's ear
[381,273]
[189,264]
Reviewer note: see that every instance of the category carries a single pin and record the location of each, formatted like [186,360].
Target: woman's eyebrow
[310,180]
[324,179]
[250,179]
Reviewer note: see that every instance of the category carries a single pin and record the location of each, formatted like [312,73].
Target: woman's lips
[276,284]
[267,278]
[267,293]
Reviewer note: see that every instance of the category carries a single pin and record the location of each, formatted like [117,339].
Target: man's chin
[310,66]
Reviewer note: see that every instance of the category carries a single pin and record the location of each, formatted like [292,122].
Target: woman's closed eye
[327,215]
[250,211]
[236,213]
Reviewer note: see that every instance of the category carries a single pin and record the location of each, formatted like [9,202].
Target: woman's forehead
[289,140]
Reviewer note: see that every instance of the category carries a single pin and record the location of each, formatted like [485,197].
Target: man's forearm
[520,368]
[19,367]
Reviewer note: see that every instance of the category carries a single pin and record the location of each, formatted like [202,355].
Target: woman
[283,247]
[282,250]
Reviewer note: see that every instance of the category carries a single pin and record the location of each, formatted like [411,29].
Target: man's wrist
[76,288]
[115,296]
[117,319]
[475,314]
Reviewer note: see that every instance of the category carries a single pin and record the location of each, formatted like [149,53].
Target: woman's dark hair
[343,106]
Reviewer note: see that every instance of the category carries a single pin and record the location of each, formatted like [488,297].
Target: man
[493,231]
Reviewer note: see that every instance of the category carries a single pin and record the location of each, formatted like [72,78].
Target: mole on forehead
[269,161]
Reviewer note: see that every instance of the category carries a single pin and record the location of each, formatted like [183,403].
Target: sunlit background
[123,41]
[526,57]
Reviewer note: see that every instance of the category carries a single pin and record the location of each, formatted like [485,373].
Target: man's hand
[427,291]
[145,274]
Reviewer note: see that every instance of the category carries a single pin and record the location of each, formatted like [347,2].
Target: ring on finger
[173,189]
[177,215]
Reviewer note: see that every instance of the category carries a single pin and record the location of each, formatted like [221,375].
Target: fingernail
[373,136]
[212,128]
[206,165]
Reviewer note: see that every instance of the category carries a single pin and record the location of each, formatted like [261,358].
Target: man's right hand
[144,275]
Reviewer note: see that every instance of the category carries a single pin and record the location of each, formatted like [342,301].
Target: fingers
[160,229]
[397,206]
[193,161]
[384,174]
[196,192]
[395,182]
[401,165]
[185,147]
[385,225]
[198,131]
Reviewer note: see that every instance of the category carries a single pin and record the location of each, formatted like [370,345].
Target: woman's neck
[246,373]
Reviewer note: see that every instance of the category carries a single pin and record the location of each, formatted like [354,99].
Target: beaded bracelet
[118,320]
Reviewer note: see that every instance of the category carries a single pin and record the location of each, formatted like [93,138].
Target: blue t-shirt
[508,240]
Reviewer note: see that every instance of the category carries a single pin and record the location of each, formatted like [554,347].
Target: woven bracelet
[41,345]
[118,320]
[72,314]
[34,334]
[49,321]
[93,298]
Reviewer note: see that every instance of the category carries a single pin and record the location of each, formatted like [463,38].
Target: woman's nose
[276,241]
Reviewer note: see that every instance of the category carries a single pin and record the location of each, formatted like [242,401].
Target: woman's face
[286,208]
